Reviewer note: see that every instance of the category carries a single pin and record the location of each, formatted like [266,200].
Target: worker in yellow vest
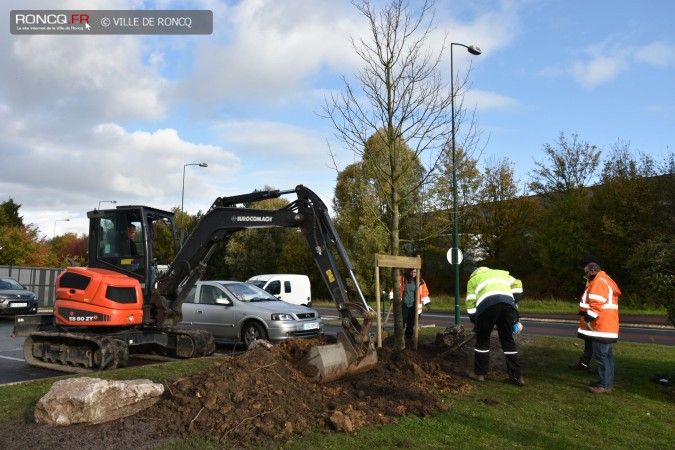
[491,299]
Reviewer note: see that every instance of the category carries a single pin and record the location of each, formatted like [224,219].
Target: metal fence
[41,280]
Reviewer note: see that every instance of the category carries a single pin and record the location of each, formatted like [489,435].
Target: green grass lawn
[447,303]
[552,411]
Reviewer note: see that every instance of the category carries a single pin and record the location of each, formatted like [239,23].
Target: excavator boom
[354,352]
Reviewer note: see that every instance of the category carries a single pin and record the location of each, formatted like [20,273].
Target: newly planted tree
[400,99]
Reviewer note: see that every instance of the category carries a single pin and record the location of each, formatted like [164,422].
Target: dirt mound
[261,395]
[260,398]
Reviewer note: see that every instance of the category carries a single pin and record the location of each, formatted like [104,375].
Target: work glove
[588,326]
[517,327]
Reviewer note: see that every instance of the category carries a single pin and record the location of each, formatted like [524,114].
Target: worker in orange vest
[409,305]
[600,324]
[585,359]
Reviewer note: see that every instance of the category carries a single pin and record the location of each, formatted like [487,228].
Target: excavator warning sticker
[331,277]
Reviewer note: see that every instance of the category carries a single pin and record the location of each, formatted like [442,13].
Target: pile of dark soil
[260,398]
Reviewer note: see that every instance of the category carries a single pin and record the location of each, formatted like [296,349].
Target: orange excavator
[120,305]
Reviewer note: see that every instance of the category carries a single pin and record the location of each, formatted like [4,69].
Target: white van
[287,287]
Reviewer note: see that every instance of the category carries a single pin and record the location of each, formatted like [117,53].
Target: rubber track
[113,353]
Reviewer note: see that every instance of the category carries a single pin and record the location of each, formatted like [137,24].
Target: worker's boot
[579,365]
[599,390]
[520,381]
[474,376]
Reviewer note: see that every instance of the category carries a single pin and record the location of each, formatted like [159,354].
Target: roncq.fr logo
[51,19]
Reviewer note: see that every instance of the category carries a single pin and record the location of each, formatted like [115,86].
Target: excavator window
[120,241]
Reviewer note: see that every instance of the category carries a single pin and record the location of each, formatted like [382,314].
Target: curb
[621,325]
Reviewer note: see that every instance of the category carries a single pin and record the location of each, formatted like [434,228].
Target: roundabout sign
[450,255]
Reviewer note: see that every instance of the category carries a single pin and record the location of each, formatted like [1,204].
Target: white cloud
[268,50]
[484,101]
[658,54]
[608,59]
[281,155]
[107,162]
[597,71]
[492,29]
[272,139]
[80,78]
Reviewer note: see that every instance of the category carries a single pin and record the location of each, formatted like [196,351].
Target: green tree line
[620,208]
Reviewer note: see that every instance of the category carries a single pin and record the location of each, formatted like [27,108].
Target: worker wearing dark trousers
[491,299]
[502,315]
[585,360]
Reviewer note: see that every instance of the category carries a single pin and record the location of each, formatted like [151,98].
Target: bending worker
[491,298]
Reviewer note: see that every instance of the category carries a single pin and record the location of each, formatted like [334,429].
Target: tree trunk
[395,274]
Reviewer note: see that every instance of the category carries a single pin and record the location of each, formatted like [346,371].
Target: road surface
[642,329]
[13,367]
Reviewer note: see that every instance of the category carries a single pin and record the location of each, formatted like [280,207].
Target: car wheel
[252,332]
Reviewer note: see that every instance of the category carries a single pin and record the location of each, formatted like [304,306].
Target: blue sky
[90,119]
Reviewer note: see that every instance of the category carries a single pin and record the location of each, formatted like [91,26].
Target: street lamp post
[58,220]
[182,197]
[106,201]
[455,230]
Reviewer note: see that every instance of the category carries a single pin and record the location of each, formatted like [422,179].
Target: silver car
[234,311]
[16,299]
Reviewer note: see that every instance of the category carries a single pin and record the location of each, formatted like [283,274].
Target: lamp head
[474,50]
[203,165]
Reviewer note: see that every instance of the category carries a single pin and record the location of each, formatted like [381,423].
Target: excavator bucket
[354,352]
[326,363]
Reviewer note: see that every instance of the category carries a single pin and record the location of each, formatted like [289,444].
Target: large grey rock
[92,401]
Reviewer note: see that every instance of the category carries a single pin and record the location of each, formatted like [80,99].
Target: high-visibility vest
[600,302]
[422,294]
[489,286]
[423,301]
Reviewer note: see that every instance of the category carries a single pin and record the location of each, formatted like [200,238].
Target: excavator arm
[354,352]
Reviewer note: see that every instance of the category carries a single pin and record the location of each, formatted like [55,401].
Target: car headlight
[282,316]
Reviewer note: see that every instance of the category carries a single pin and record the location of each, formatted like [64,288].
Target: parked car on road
[234,311]
[16,299]
[290,288]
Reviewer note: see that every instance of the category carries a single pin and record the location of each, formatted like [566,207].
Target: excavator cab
[115,289]
[125,240]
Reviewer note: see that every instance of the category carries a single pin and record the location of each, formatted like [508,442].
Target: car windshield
[7,284]
[248,293]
